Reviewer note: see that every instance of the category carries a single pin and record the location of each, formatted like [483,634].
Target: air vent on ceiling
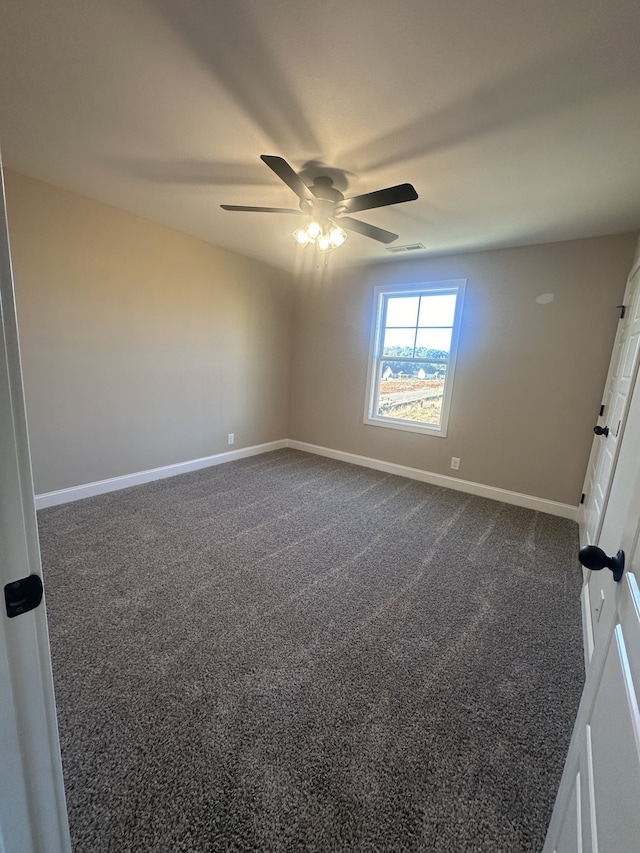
[410,247]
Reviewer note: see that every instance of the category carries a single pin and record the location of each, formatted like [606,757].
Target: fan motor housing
[323,188]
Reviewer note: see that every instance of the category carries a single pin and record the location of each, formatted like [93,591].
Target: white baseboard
[113,484]
[492,492]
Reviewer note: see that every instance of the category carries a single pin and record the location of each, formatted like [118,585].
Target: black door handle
[594,558]
[601,430]
[23,595]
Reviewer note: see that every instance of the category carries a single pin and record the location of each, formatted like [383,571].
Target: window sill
[423,429]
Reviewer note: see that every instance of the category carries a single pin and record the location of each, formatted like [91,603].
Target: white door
[598,803]
[619,390]
[32,805]
[622,373]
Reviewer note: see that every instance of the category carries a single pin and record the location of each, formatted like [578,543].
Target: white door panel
[622,372]
[602,599]
[597,808]
[616,761]
[604,456]
[569,839]
[598,804]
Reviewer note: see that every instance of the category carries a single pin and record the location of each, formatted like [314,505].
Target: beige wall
[144,347]
[141,346]
[529,376]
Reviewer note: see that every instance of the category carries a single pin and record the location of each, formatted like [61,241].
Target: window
[413,355]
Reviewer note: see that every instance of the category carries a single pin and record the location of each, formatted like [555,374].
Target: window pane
[411,369]
[402,310]
[437,310]
[399,342]
[430,339]
[411,392]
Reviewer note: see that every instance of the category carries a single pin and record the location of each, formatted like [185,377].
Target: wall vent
[410,247]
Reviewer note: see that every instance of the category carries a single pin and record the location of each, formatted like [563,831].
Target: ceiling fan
[327,209]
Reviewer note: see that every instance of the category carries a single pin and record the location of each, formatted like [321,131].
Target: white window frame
[381,294]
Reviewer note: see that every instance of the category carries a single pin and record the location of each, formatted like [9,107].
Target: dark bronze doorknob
[601,430]
[594,558]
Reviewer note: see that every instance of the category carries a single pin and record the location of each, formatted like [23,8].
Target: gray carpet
[288,653]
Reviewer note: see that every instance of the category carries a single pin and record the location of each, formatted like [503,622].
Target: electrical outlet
[231,438]
[455,463]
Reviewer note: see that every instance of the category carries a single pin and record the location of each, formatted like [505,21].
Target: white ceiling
[517,122]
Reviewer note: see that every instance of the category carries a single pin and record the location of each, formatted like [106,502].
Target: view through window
[414,355]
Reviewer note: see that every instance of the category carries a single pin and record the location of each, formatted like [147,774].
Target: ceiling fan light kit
[326,237]
[327,207]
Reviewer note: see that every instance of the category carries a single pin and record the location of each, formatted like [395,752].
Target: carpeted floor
[288,653]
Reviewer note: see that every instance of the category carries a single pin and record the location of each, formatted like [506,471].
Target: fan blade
[381,198]
[261,209]
[292,179]
[378,234]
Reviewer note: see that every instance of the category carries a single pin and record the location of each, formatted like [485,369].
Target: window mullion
[415,332]
[416,360]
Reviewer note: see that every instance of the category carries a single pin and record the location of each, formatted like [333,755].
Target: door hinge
[623,310]
[23,595]
[582,497]
[601,410]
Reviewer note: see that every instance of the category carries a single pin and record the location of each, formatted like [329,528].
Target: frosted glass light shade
[325,237]
[337,236]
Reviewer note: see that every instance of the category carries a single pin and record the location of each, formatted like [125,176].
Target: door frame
[618,529]
[33,815]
